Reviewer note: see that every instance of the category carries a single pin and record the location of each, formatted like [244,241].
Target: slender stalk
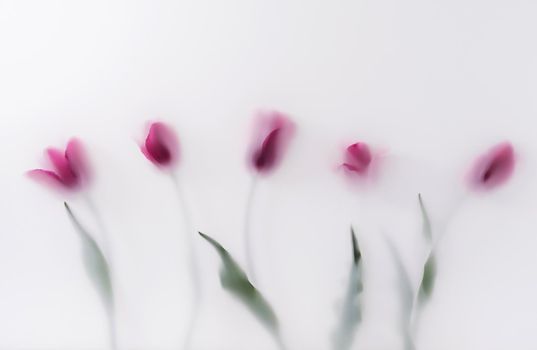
[100,223]
[111,315]
[279,342]
[248,247]
[193,264]
[443,226]
[409,342]
[110,308]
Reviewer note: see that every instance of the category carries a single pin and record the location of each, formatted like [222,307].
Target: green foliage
[351,313]
[235,281]
[94,261]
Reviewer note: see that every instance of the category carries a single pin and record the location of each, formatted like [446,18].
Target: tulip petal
[76,158]
[161,146]
[69,168]
[273,133]
[46,177]
[357,157]
[62,167]
[494,168]
[267,154]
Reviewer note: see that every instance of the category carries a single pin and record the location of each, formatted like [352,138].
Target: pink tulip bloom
[494,167]
[70,168]
[161,145]
[357,158]
[273,133]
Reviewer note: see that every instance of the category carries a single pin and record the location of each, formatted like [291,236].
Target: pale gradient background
[430,83]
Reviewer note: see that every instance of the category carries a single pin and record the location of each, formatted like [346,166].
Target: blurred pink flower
[70,168]
[161,145]
[494,167]
[357,158]
[273,133]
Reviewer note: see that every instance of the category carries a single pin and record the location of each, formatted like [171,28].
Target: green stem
[248,246]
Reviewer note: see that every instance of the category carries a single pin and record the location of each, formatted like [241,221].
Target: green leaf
[356,254]
[94,261]
[427,231]
[351,314]
[429,269]
[428,279]
[235,281]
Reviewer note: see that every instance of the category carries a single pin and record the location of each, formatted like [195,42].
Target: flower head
[493,168]
[70,169]
[161,146]
[357,158]
[273,133]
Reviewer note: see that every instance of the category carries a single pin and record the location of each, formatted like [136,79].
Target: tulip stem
[248,246]
[112,324]
[100,223]
[194,269]
[110,308]
[280,343]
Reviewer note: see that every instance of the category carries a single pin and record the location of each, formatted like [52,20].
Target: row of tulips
[70,172]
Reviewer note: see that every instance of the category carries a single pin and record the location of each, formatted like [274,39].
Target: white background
[430,84]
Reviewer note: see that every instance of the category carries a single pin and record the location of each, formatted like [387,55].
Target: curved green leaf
[427,230]
[94,261]
[235,281]
[351,313]
[429,269]
[428,279]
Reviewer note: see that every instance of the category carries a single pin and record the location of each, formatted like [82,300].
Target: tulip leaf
[235,281]
[427,281]
[351,313]
[429,269]
[94,261]
[427,231]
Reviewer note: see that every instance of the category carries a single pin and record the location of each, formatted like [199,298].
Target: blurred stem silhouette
[281,344]
[98,262]
[111,315]
[100,225]
[248,245]
[193,263]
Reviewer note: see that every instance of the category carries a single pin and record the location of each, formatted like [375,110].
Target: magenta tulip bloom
[70,168]
[273,133]
[161,145]
[494,167]
[357,158]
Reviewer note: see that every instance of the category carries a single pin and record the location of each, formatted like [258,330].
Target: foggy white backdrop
[432,84]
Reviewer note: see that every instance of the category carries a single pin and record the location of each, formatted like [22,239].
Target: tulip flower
[71,172]
[357,158]
[161,146]
[70,169]
[273,133]
[493,168]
